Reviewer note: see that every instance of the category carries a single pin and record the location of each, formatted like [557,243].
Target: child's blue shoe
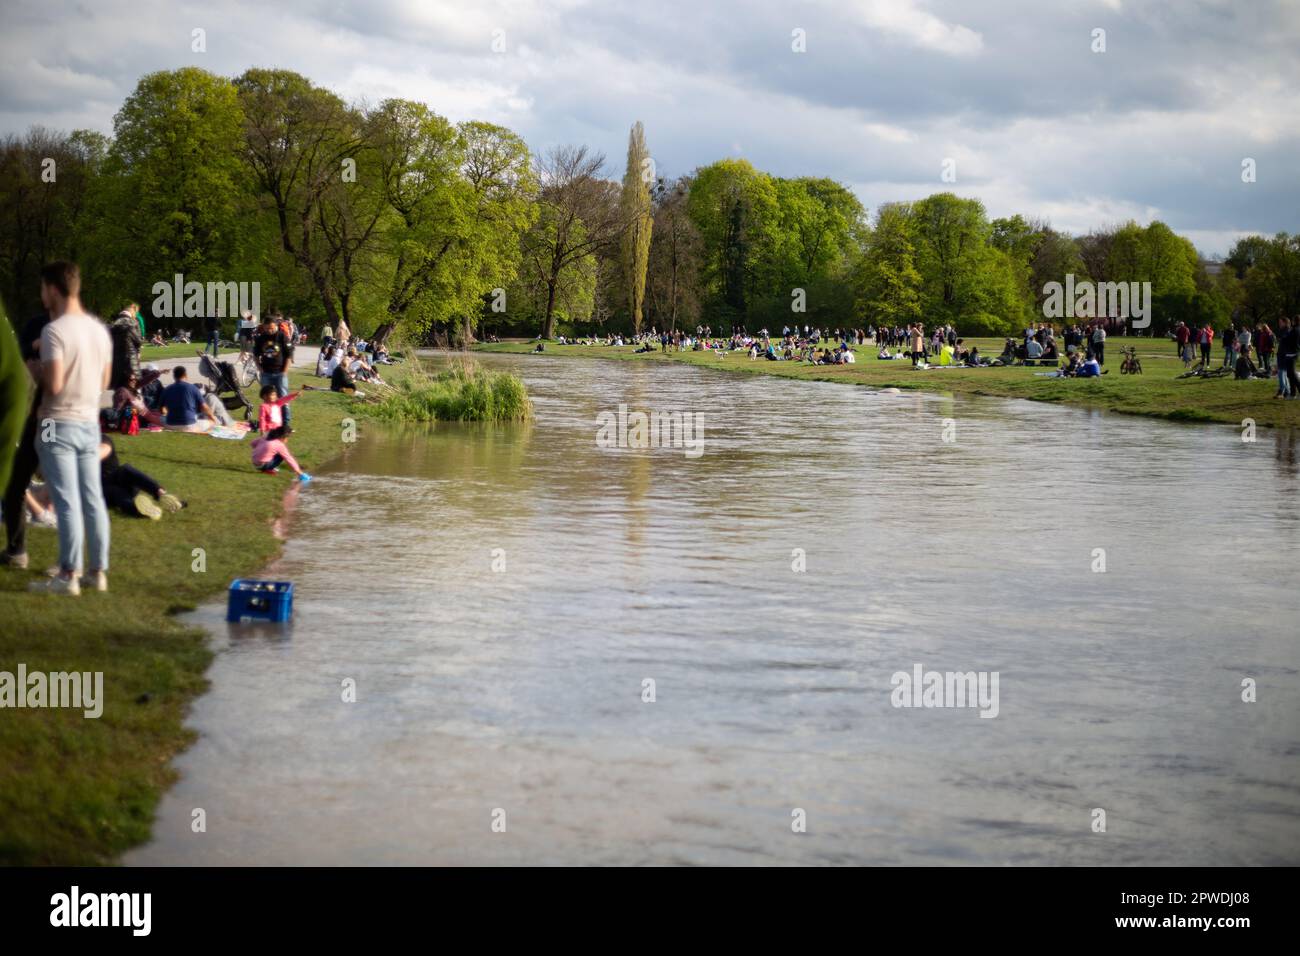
[304,477]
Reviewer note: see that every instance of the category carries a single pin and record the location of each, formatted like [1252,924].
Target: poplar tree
[639,219]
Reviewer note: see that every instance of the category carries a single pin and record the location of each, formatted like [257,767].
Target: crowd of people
[1077,351]
[1080,353]
[346,361]
[66,472]
[1248,350]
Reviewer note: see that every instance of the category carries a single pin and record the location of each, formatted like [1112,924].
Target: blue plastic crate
[259,600]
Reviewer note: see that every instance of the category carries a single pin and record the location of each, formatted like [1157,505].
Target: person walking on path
[76,357]
[212,326]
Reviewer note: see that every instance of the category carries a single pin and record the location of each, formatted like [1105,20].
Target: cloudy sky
[1156,126]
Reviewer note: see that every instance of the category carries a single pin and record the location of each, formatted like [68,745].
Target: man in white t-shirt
[76,358]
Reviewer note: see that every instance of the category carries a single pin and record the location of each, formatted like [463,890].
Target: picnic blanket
[234,434]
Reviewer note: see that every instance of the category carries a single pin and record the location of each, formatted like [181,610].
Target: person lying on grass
[270,452]
[130,490]
[125,488]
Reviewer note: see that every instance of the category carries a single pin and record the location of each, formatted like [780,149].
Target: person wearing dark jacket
[130,490]
[212,328]
[342,380]
[125,333]
[1288,345]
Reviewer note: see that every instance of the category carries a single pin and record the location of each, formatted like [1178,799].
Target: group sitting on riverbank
[89,384]
[1076,351]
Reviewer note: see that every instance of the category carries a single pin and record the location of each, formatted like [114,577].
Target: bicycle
[1131,365]
[246,370]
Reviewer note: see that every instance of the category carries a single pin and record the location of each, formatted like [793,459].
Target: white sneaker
[95,581]
[59,585]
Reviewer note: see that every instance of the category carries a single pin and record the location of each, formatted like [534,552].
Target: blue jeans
[214,340]
[70,463]
[281,382]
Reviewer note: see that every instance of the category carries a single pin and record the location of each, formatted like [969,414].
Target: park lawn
[179,350]
[1157,392]
[81,791]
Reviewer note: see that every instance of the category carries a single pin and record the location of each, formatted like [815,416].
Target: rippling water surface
[522,689]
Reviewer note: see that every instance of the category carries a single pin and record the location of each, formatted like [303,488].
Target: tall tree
[462,196]
[639,221]
[889,281]
[578,219]
[673,283]
[300,142]
[735,208]
[174,189]
[48,182]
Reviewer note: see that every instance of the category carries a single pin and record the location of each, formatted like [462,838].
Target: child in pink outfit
[271,414]
[270,452]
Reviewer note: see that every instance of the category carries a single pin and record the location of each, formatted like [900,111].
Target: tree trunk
[548,324]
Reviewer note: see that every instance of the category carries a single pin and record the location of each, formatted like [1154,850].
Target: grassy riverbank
[81,791]
[1157,392]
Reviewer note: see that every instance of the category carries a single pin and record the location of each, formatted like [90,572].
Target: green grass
[161,353]
[81,791]
[1157,392]
[461,392]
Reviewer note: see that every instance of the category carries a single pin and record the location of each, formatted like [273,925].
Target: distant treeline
[393,213]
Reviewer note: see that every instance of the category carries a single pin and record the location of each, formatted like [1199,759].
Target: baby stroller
[221,376]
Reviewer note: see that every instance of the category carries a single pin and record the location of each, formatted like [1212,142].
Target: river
[501,595]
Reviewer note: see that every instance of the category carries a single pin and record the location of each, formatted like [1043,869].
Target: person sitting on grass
[362,369]
[130,490]
[213,403]
[182,403]
[270,452]
[1245,367]
[342,380]
[270,414]
[128,396]
[1008,355]
[1091,368]
[151,387]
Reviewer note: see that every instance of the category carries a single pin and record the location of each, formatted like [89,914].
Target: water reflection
[521,689]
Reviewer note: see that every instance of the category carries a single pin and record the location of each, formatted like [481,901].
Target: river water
[516,694]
